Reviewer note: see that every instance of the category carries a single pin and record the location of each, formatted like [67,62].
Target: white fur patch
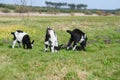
[74,47]
[82,39]
[52,41]
[47,43]
[19,36]
[53,38]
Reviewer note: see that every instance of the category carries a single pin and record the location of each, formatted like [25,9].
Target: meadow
[101,61]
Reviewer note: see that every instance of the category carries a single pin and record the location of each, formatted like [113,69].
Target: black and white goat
[22,37]
[77,36]
[51,40]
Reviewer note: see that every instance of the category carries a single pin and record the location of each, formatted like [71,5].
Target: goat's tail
[69,31]
[12,33]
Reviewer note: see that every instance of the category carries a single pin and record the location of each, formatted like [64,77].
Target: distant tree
[61,4]
[57,5]
[23,2]
[64,4]
[72,6]
[79,6]
[82,6]
[49,4]
[85,6]
[54,4]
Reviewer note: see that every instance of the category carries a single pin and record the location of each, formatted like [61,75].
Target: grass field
[101,61]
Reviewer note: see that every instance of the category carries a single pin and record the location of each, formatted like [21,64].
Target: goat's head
[32,43]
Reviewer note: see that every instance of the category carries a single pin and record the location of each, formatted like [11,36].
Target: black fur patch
[20,31]
[76,36]
[26,42]
[13,35]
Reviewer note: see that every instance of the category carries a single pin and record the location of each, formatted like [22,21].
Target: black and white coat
[22,37]
[51,40]
[77,36]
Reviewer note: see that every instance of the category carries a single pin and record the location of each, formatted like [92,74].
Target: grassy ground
[101,61]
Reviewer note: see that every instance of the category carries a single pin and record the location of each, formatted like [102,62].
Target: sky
[92,4]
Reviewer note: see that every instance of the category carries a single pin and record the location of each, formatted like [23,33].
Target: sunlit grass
[100,62]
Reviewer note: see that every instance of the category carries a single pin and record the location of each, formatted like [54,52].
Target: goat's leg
[46,46]
[23,45]
[52,48]
[14,42]
[69,43]
[19,44]
[83,46]
[74,45]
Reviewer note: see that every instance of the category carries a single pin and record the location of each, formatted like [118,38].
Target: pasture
[101,61]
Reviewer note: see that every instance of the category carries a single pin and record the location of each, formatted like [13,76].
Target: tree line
[23,8]
[63,5]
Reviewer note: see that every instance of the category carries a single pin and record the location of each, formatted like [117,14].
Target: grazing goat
[22,37]
[51,40]
[77,36]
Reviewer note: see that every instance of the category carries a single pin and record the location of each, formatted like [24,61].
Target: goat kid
[22,37]
[77,36]
[51,40]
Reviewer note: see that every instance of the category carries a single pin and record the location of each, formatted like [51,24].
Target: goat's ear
[32,42]
[12,32]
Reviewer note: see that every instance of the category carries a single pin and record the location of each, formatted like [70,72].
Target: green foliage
[5,10]
[7,6]
[117,12]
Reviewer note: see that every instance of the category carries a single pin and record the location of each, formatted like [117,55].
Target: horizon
[99,4]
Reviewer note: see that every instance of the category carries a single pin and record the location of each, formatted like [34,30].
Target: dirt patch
[83,75]
[44,14]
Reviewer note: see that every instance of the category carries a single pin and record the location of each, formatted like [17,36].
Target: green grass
[100,62]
